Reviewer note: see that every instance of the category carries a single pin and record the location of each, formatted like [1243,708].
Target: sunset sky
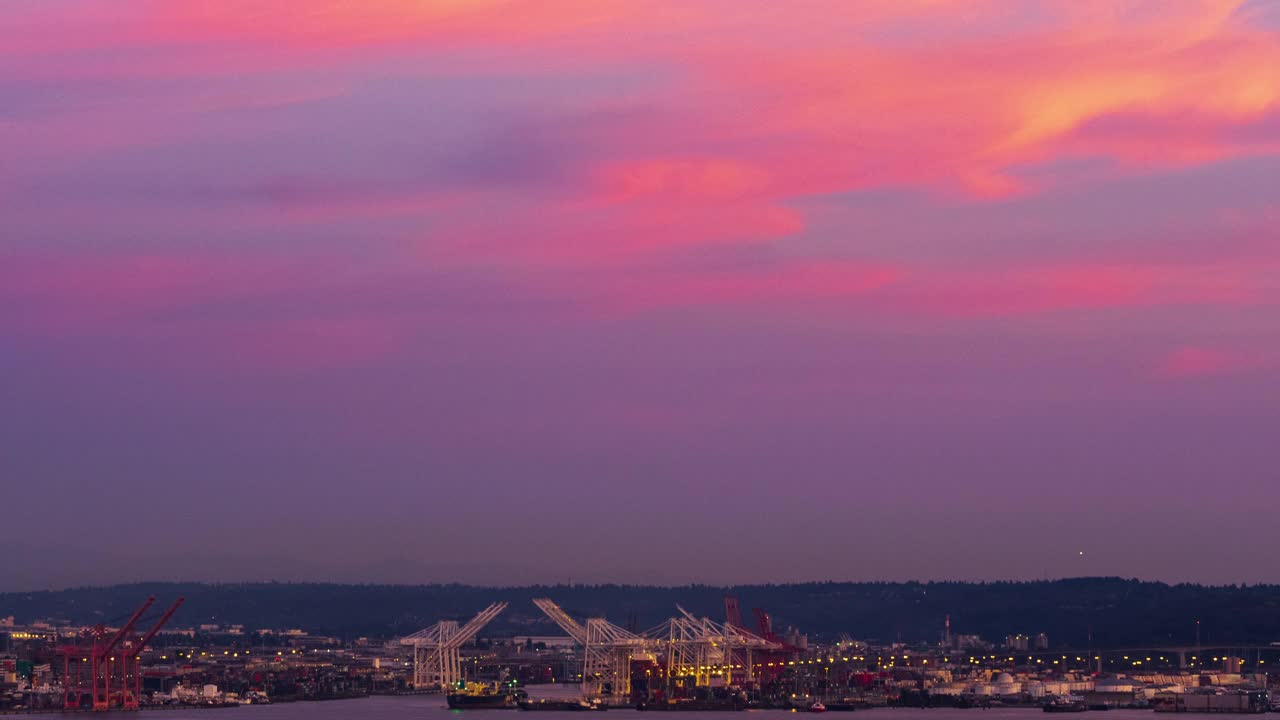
[507,291]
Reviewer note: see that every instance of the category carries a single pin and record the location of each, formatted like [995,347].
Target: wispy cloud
[1192,361]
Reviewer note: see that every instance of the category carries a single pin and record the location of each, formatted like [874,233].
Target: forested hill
[1120,612]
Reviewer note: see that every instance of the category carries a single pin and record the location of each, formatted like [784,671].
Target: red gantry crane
[86,668]
[90,665]
[131,654]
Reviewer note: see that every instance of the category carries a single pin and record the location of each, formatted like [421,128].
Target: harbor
[686,663]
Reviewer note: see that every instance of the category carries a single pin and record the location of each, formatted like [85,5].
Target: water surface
[432,707]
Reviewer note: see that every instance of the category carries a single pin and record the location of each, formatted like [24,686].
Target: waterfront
[433,706]
[686,663]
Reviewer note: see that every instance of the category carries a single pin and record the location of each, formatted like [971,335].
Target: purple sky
[509,291]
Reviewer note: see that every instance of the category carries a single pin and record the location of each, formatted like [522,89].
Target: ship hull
[482,702]
[560,706]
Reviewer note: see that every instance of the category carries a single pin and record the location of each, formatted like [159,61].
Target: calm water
[432,707]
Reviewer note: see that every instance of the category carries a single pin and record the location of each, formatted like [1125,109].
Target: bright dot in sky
[1082,553]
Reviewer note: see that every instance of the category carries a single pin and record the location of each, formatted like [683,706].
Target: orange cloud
[963,114]
[797,98]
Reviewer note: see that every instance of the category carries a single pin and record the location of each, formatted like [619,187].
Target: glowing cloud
[809,256]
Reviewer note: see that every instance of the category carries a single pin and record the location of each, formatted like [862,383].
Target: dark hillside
[1120,612]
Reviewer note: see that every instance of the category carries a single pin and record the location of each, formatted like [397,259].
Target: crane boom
[128,627]
[468,631]
[607,650]
[426,635]
[436,655]
[159,624]
[571,627]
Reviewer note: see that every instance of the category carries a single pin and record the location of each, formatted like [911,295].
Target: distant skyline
[652,291]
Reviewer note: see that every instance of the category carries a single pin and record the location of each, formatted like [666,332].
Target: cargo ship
[479,696]
[733,703]
[1065,704]
[1243,702]
[846,705]
[579,705]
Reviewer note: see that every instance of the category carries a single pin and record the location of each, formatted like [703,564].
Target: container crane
[436,657]
[703,648]
[96,650]
[607,651]
[131,653]
[733,612]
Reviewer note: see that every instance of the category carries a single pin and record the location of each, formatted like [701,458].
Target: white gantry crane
[436,658]
[701,648]
[607,651]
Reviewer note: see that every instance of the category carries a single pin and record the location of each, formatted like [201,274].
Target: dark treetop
[1120,612]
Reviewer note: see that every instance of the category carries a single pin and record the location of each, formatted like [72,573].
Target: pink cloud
[326,341]
[1192,362]
[1032,290]
[812,107]
[689,179]
[174,307]
[772,285]
[752,113]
